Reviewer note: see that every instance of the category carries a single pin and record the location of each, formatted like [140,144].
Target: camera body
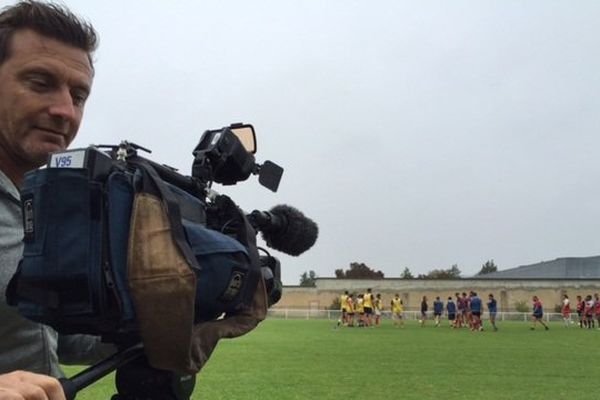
[79,255]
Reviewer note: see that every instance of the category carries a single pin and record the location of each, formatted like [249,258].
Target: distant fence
[290,313]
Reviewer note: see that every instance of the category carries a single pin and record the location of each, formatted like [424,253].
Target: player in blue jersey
[438,308]
[492,306]
[476,307]
[451,310]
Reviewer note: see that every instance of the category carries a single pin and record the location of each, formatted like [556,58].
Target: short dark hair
[47,19]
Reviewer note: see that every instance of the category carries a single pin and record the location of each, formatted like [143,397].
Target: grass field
[307,359]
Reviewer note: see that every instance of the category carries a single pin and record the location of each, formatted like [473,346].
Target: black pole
[94,373]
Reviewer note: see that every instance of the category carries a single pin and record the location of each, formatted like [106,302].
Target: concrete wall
[506,292]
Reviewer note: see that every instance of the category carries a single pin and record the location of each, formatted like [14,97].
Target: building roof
[561,268]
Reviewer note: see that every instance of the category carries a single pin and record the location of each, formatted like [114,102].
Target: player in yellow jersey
[397,310]
[351,306]
[360,309]
[344,308]
[368,301]
[378,308]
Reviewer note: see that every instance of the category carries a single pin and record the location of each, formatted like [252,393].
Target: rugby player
[397,309]
[538,313]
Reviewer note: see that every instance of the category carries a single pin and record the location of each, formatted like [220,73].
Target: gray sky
[417,134]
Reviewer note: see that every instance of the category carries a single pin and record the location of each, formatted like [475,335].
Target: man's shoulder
[8,188]
[11,224]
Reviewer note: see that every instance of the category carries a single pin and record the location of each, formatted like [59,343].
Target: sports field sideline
[310,359]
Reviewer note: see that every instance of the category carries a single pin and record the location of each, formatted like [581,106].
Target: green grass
[300,359]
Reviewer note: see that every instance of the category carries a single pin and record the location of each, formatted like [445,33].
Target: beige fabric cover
[163,289]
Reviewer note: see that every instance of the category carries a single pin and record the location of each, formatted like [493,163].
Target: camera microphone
[286,229]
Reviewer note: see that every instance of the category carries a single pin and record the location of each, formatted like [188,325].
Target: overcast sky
[416,134]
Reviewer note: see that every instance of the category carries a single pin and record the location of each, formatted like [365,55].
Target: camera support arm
[94,373]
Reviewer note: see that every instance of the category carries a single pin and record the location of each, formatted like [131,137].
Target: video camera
[119,246]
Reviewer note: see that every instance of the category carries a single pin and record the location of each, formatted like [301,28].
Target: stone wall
[507,292]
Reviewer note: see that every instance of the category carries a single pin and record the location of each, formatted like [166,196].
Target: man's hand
[22,385]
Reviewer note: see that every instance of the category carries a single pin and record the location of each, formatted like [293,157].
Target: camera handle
[94,373]
[135,379]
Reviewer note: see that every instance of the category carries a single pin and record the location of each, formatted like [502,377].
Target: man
[368,307]
[46,75]
[466,309]
[351,308]
[492,309]
[476,308]
[597,308]
[438,308]
[397,310]
[344,308]
[538,313]
[460,307]
[378,308]
[580,307]
[589,312]
[451,310]
[424,308]
[360,310]
[566,311]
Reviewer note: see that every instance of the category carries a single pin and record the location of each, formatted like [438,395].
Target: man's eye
[39,83]
[79,98]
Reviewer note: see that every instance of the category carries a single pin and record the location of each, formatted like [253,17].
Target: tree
[406,274]
[358,271]
[450,273]
[488,268]
[308,279]
[454,272]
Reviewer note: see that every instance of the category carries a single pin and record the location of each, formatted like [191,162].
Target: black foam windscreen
[296,234]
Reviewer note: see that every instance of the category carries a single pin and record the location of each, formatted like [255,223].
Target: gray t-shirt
[24,344]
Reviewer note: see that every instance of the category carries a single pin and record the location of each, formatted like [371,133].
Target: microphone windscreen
[298,234]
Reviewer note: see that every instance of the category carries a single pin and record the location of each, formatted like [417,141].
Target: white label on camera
[68,159]
[215,138]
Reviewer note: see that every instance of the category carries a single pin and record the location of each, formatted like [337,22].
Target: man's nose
[62,105]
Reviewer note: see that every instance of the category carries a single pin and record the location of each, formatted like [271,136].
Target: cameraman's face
[44,84]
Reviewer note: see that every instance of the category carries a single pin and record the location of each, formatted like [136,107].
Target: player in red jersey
[538,313]
[588,312]
[468,316]
[459,315]
[597,308]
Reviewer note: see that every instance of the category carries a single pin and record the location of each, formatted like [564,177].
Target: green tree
[406,274]
[308,279]
[488,268]
[450,273]
[454,272]
[358,271]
